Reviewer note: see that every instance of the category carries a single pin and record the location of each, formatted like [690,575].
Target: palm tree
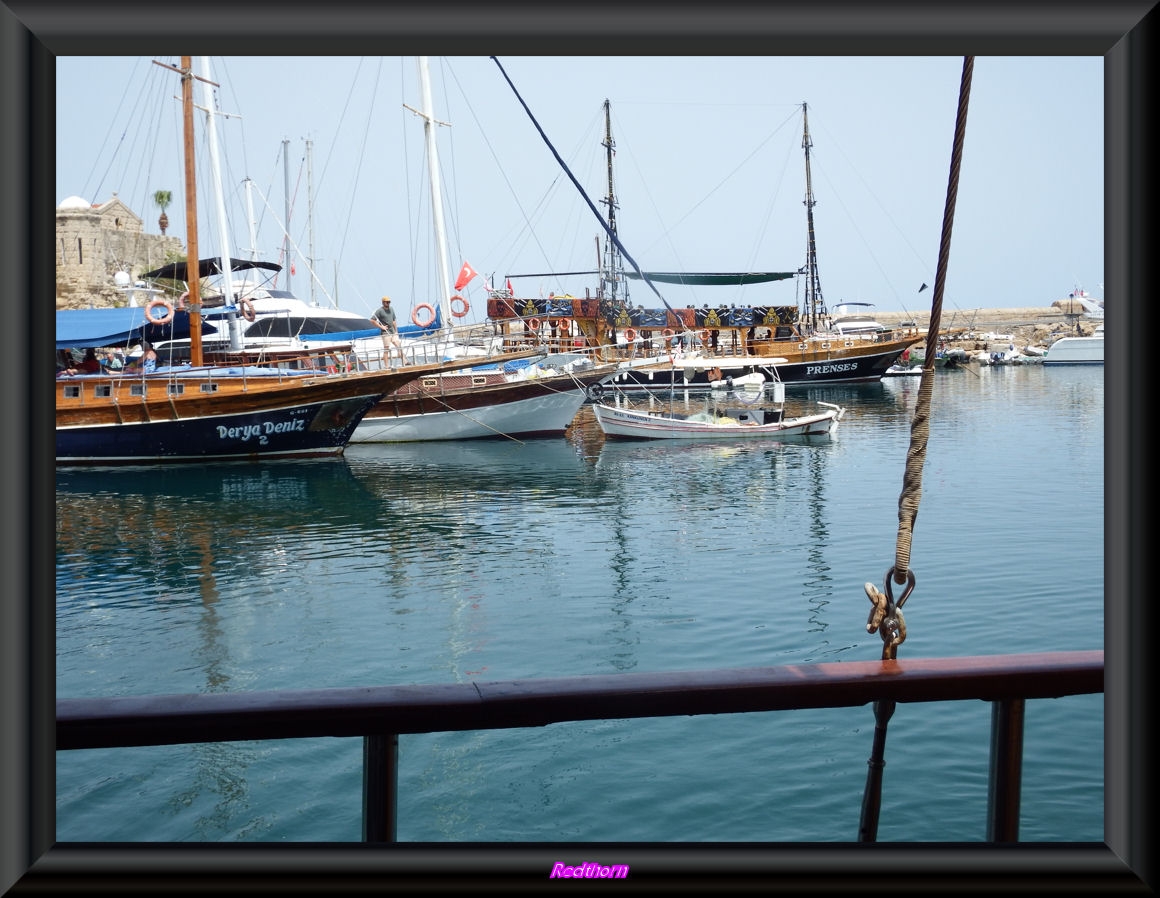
[163,198]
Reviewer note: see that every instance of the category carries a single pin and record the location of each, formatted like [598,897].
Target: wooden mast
[813,282]
[192,267]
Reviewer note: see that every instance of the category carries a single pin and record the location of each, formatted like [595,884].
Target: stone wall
[95,242]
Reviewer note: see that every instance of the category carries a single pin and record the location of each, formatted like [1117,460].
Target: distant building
[94,242]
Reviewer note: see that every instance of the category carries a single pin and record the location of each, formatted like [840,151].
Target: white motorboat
[1077,350]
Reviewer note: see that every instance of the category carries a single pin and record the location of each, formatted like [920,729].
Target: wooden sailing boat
[530,400]
[691,346]
[197,412]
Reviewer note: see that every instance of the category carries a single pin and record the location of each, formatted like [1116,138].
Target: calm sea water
[440,563]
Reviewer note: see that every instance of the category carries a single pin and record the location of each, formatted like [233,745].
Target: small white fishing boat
[715,421]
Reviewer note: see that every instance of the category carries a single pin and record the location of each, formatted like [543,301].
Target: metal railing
[380,714]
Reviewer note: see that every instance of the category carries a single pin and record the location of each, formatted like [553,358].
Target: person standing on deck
[384,317]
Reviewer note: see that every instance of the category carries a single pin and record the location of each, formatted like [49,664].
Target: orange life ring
[462,312]
[667,332]
[248,311]
[705,336]
[430,318]
[165,304]
[565,323]
[534,324]
[181,299]
[629,335]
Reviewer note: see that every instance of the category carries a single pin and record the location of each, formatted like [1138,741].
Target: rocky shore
[1028,326]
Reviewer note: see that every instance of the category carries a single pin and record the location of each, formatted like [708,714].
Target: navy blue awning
[82,328]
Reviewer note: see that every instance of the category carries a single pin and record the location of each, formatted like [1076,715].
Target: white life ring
[825,346]
[534,324]
[463,302]
[430,318]
[163,303]
[248,311]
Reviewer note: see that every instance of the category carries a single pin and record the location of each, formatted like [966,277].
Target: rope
[920,426]
[886,613]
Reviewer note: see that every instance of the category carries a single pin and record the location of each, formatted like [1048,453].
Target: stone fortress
[94,242]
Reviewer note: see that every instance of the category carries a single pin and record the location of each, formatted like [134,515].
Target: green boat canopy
[713,279]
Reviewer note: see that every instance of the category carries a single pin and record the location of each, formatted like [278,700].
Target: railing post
[1006,780]
[380,787]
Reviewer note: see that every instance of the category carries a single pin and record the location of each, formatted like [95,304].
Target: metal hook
[889,589]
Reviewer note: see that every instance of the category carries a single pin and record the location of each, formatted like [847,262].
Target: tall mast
[191,262]
[610,274]
[443,285]
[219,196]
[286,261]
[815,304]
[310,217]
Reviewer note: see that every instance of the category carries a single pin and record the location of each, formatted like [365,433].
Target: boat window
[72,391]
[209,388]
[103,391]
[478,380]
[176,389]
[137,389]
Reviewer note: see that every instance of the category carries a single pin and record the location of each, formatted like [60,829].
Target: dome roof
[74,203]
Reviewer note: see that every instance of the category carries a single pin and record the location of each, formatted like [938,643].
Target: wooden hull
[863,362]
[216,414]
[724,340]
[478,406]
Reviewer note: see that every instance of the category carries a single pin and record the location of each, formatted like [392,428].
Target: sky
[708,171]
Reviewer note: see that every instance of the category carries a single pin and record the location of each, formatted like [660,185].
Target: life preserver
[534,324]
[430,318]
[163,303]
[181,299]
[849,343]
[595,392]
[466,306]
[802,347]
[629,335]
[667,332]
[565,323]
[825,346]
[705,335]
[248,311]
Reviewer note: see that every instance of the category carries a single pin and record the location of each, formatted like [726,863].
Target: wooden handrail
[359,711]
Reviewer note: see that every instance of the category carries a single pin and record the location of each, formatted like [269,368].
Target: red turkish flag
[465,274]
[509,287]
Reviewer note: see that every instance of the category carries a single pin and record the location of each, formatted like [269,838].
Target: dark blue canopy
[82,328]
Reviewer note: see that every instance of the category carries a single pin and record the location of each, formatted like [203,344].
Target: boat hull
[437,409]
[630,424]
[307,430]
[216,414]
[860,363]
[1075,351]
